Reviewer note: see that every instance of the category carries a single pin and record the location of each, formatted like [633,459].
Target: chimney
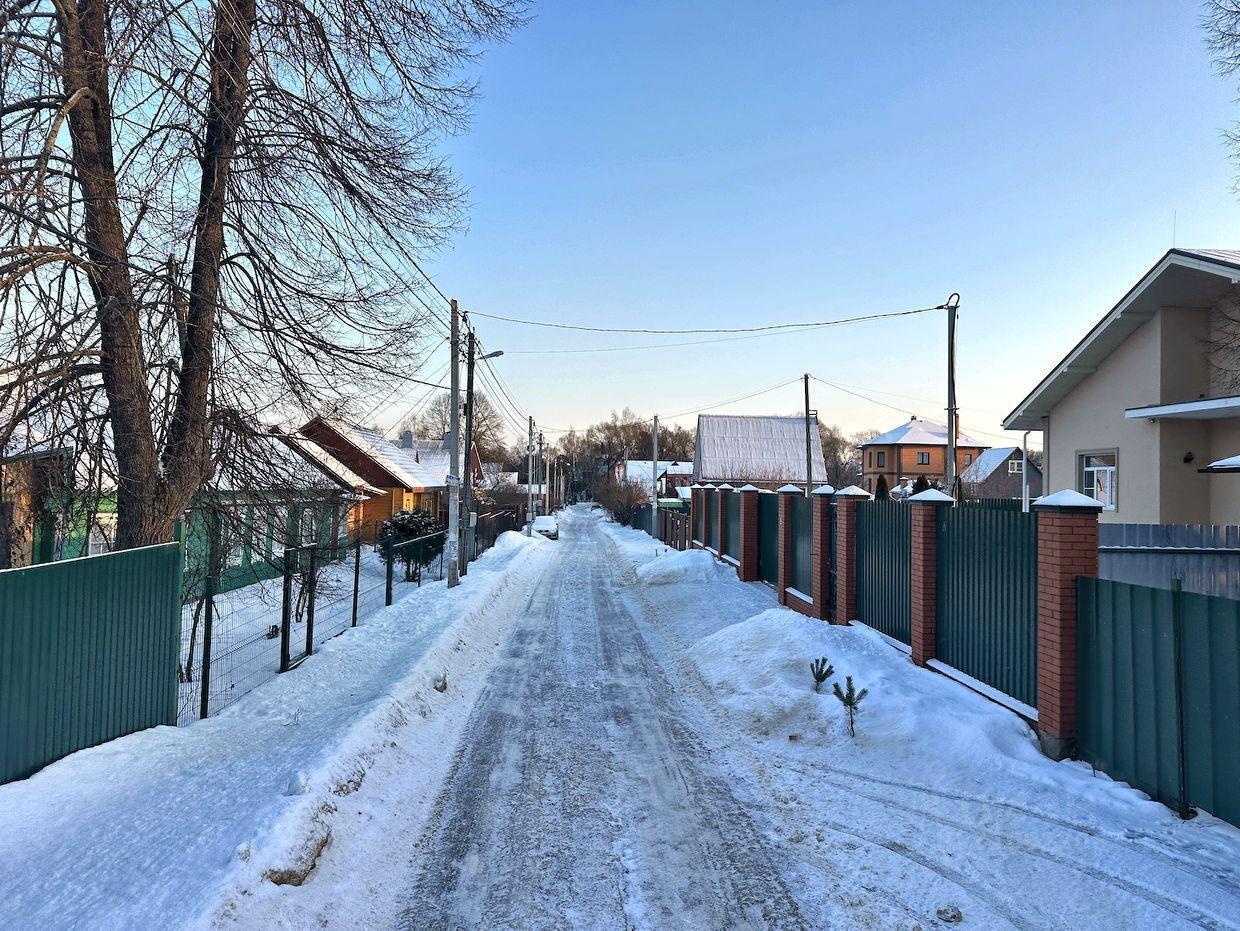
[406,439]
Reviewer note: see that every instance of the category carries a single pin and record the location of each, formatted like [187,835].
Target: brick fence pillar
[1067,548]
[846,500]
[748,556]
[695,514]
[924,571]
[820,551]
[783,575]
[721,517]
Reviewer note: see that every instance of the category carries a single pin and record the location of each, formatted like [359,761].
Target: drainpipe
[1024,471]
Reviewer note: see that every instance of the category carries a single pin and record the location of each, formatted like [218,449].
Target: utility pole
[953,426]
[541,462]
[454,452]
[654,480]
[809,454]
[467,487]
[529,481]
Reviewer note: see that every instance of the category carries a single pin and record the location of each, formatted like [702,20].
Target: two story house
[916,448]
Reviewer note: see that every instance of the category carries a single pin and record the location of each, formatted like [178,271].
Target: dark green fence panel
[1143,692]
[641,519]
[710,497]
[987,608]
[732,505]
[768,538]
[802,539]
[88,653]
[883,567]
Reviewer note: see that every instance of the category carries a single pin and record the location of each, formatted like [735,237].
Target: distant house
[494,476]
[998,473]
[1132,413]
[763,451]
[30,481]
[435,457]
[671,473]
[916,448]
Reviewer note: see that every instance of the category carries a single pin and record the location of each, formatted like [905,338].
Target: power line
[665,332]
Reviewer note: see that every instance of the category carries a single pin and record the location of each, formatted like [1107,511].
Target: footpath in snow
[157,828]
[942,801]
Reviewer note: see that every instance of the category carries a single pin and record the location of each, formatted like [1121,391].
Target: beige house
[1150,397]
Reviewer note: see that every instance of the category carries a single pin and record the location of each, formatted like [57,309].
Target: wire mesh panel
[884,566]
[768,538]
[987,588]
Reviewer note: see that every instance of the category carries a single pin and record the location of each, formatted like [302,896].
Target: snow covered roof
[1230,464]
[1067,499]
[918,432]
[334,468]
[638,470]
[1181,278]
[265,461]
[754,449]
[986,463]
[684,493]
[388,456]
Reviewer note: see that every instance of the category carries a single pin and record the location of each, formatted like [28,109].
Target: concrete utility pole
[541,462]
[454,452]
[809,455]
[529,481]
[654,480]
[467,488]
[953,426]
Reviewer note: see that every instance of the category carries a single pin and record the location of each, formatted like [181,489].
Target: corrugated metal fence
[732,507]
[1159,692]
[89,653]
[768,538]
[883,567]
[987,595]
[802,540]
[1204,557]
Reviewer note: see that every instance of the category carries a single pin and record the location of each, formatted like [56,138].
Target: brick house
[914,449]
[998,473]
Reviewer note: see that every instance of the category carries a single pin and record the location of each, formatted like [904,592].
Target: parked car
[547,526]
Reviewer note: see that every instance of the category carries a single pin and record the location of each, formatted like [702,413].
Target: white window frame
[1109,475]
[100,535]
[279,531]
[1016,466]
[923,458]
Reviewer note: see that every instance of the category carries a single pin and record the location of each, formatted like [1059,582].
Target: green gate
[1158,692]
[710,538]
[732,506]
[768,538]
[88,653]
[883,567]
[802,576]
[987,595]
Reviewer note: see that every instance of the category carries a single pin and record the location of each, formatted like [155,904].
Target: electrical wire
[665,332]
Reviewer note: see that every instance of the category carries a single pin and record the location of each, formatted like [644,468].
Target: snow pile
[514,540]
[676,567]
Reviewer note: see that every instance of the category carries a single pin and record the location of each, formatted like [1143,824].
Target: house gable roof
[918,432]
[987,462]
[754,448]
[1181,278]
[378,451]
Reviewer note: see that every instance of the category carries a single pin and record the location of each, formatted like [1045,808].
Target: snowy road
[581,796]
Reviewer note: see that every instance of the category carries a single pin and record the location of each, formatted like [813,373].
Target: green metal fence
[768,538]
[883,567]
[987,608]
[88,653]
[732,506]
[710,499]
[802,576]
[1158,692]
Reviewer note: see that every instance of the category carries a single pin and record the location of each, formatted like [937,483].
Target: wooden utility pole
[953,426]
[454,452]
[809,454]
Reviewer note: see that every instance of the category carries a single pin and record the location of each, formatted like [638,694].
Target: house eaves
[1195,278]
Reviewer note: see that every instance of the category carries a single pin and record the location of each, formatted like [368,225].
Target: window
[1099,476]
[923,458]
[309,526]
[882,459]
[1016,466]
[968,459]
[99,540]
[279,531]
[869,458]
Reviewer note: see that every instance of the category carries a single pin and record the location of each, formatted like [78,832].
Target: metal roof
[918,432]
[985,464]
[755,448]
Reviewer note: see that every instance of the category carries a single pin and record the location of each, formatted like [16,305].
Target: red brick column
[820,551]
[748,556]
[924,571]
[1067,547]
[721,517]
[783,574]
[846,552]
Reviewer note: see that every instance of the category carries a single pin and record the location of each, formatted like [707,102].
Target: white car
[547,526]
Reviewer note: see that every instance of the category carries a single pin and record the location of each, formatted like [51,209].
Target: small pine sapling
[851,699]
[820,671]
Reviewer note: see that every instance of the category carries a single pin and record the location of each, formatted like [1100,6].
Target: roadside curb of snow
[387,739]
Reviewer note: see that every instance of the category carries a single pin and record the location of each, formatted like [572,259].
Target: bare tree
[433,422]
[211,210]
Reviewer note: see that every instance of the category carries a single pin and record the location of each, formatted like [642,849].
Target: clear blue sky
[735,163]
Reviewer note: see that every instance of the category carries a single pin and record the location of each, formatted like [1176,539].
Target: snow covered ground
[629,737]
[158,828]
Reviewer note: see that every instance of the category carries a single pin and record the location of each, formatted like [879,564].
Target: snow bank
[689,566]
